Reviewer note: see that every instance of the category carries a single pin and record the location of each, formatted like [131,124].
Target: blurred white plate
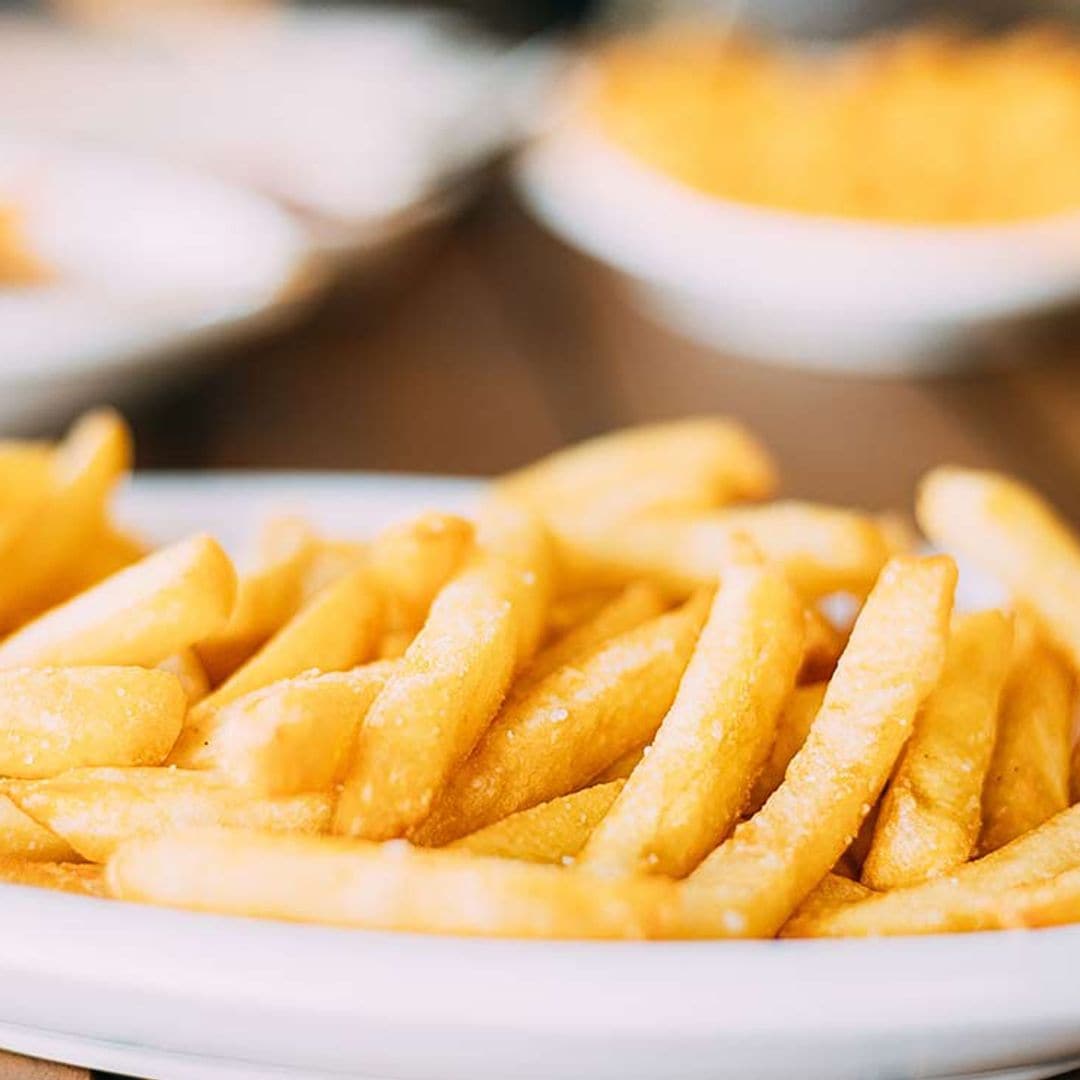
[795,289]
[147,263]
[184,996]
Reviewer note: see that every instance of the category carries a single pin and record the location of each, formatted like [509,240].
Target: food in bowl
[611,706]
[927,126]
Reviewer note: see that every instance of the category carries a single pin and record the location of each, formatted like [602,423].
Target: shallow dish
[172,994]
[789,288]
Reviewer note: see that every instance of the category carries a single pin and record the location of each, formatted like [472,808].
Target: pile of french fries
[614,705]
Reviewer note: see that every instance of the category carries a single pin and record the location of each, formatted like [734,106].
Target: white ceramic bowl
[812,291]
[178,995]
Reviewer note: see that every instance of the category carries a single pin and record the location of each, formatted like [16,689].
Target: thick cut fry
[821,549]
[394,644]
[291,736]
[413,560]
[266,599]
[336,631]
[83,878]
[823,645]
[947,903]
[140,616]
[622,766]
[1028,778]
[82,474]
[21,837]
[571,726]
[684,464]
[930,815]
[832,893]
[106,552]
[95,810]
[186,667]
[573,609]
[684,797]
[792,727]
[553,832]
[381,886]
[331,560]
[55,719]
[1008,530]
[753,882]
[449,685]
[24,480]
[633,606]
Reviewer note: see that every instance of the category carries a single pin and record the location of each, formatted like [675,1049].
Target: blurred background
[450,239]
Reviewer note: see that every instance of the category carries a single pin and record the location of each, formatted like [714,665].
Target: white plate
[146,263]
[177,995]
[793,288]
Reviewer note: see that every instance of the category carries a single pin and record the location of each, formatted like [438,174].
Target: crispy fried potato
[107,551]
[55,719]
[140,616]
[336,631]
[381,886]
[449,685]
[83,878]
[1028,778]
[754,881]
[186,667]
[95,810]
[21,837]
[684,797]
[1012,533]
[930,814]
[572,609]
[291,736]
[622,766]
[266,599]
[960,900]
[695,463]
[553,832]
[572,725]
[24,479]
[792,727]
[832,893]
[332,559]
[823,645]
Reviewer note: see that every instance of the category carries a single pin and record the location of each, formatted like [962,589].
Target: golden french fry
[792,727]
[334,632]
[686,794]
[266,599]
[55,719]
[185,665]
[634,605]
[1051,903]
[139,616]
[553,832]
[571,726]
[573,609]
[960,899]
[83,878]
[291,736]
[832,893]
[822,647]
[930,814]
[1074,775]
[752,883]
[83,470]
[106,552]
[1028,778]
[449,685]
[1008,530]
[413,560]
[388,886]
[695,463]
[95,810]
[394,644]
[622,766]
[21,837]
[24,480]
[331,560]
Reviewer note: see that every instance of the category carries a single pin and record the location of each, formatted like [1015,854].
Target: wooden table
[497,344]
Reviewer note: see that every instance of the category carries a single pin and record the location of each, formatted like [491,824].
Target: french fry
[335,631]
[82,878]
[822,647]
[930,814]
[959,900]
[450,683]
[95,810]
[832,893]
[55,719]
[22,838]
[1074,775]
[792,727]
[571,726]
[684,464]
[1028,778]
[753,882]
[332,559]
[107,551]
[686,794]
[394,644]
[185,665]
[631,607]
[1008,530]
[266,599]
[381,886]
[139,616]
[24,480]
[553,832]
[572,609]
[83,470]
[292,736]
[622,766]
